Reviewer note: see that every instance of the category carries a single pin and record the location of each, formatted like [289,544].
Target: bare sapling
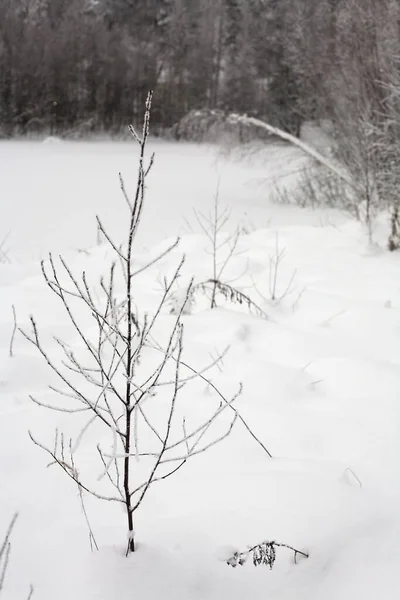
[223,248]
[277,291]
[126,385]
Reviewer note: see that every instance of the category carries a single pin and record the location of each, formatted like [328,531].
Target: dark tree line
[87,65]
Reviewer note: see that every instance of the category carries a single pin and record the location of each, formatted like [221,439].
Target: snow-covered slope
[321,381]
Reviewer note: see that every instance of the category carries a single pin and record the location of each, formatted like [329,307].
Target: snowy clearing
[51,192]
[321,382]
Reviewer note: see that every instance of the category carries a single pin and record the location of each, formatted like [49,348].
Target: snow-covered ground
[321,388]
[50,193]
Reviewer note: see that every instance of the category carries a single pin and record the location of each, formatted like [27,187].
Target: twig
[92,539]
[13,331]
[31,591]
[5,551]
[224,400]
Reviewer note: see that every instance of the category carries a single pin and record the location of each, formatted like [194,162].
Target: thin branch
[35,341]
[71,472]
[92,539]
[158,258]
[123,190]
[109,240]
[13,331]
[169,423]
[115,484]
[31,591]
[226,402]
[5,550]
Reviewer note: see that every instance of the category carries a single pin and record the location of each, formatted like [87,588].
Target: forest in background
[87,65]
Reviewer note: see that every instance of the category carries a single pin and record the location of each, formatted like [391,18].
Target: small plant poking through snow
[222,247]
[263,554]
[276,292]
[231,294]
[274,264]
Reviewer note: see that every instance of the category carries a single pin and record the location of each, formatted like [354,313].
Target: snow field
[321,381]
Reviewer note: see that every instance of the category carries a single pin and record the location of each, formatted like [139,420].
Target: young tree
[121,377]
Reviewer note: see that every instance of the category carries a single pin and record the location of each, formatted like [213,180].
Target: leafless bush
[317,186]
[137,401]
